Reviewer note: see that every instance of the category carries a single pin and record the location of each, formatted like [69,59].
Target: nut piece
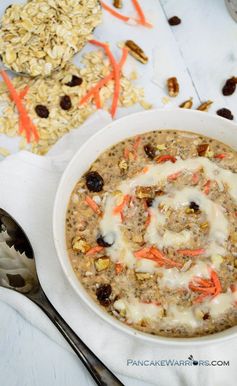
[102,263]
[205,106]
[204,225]
[80,245]
[145,192]
[143,276]
[173,86]
[118,4]
[136,51]
[123,165]
[202,149]
[187,104]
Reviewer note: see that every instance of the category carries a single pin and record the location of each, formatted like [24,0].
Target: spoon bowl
[18,273]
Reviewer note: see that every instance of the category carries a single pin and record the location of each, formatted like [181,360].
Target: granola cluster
[53,102]
[43,35]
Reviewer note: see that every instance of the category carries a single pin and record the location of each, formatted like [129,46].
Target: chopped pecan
[136,51]
[187,104]
[205,106]
[202,149]
[118,4]
[173,86]
[145,192]
[102,263]
[80,245]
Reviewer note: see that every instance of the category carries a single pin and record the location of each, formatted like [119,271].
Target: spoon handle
[101,374]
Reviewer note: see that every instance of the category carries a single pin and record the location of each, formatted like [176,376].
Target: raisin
[175,20]
[206,316]
[194,206]
[229,86]
[225,113]
[65,102]
[150,151]
[94,182]
[75,81]
[103,293]
[149,202]
[102,243]
[42,111]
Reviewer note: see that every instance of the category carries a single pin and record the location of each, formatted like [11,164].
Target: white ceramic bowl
[180,119]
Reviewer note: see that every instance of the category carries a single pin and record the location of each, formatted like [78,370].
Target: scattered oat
[40,36]
[205,106]
[187,104]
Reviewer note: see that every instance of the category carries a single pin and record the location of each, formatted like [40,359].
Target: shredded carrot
[139,11]
[148,219]
[151,302]
[145,170]
[159,255]
[92,204]
[202,282]
[136,145]
[94,250]
[165,158]
[118,268]
[207,290]
[126,153]
[97,100]
[207,187]
[191,252]
[123,17]
[195,178]
[25,122]
[220,156]
[216,282]
[116,72]
[174,176]
[119,209]
[142,252]
[24,92]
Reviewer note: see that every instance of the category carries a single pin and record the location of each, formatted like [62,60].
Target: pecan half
[136,51]
[118,4]
[205,106]
[187,104]
[173,86]
[202,149]
[145,192]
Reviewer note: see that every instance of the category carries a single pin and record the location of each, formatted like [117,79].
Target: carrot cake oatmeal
[151,232]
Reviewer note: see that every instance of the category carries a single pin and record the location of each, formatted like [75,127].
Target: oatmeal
[40,36]
[151,232]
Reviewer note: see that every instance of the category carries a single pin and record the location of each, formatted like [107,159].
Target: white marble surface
[201,52]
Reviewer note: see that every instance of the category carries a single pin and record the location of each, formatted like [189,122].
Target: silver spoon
[22,277]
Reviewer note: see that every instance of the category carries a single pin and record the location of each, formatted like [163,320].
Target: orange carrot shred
[24,92]
[94,250]
[220,156]
[191,252]
[92,204]
[165,158]
[118,268]
[216,282]
[118,209]
[25,122]
[124,18]
[139,11]
[97,100]
[143,252]
[207,187]
[148,219]
[195,178]
[174,176]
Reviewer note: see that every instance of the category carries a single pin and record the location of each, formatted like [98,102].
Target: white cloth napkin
[28,187]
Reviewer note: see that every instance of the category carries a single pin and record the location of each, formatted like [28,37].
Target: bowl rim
[215,338]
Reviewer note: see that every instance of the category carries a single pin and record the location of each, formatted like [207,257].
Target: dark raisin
[94,182]
[16,281]
[175,20]
[42,111]
[149,202]
[225,113]
[103,293]
[75,81]
[229,86]
[150,151]
[102,243]
[194,206]
[65,102]
[206,316]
